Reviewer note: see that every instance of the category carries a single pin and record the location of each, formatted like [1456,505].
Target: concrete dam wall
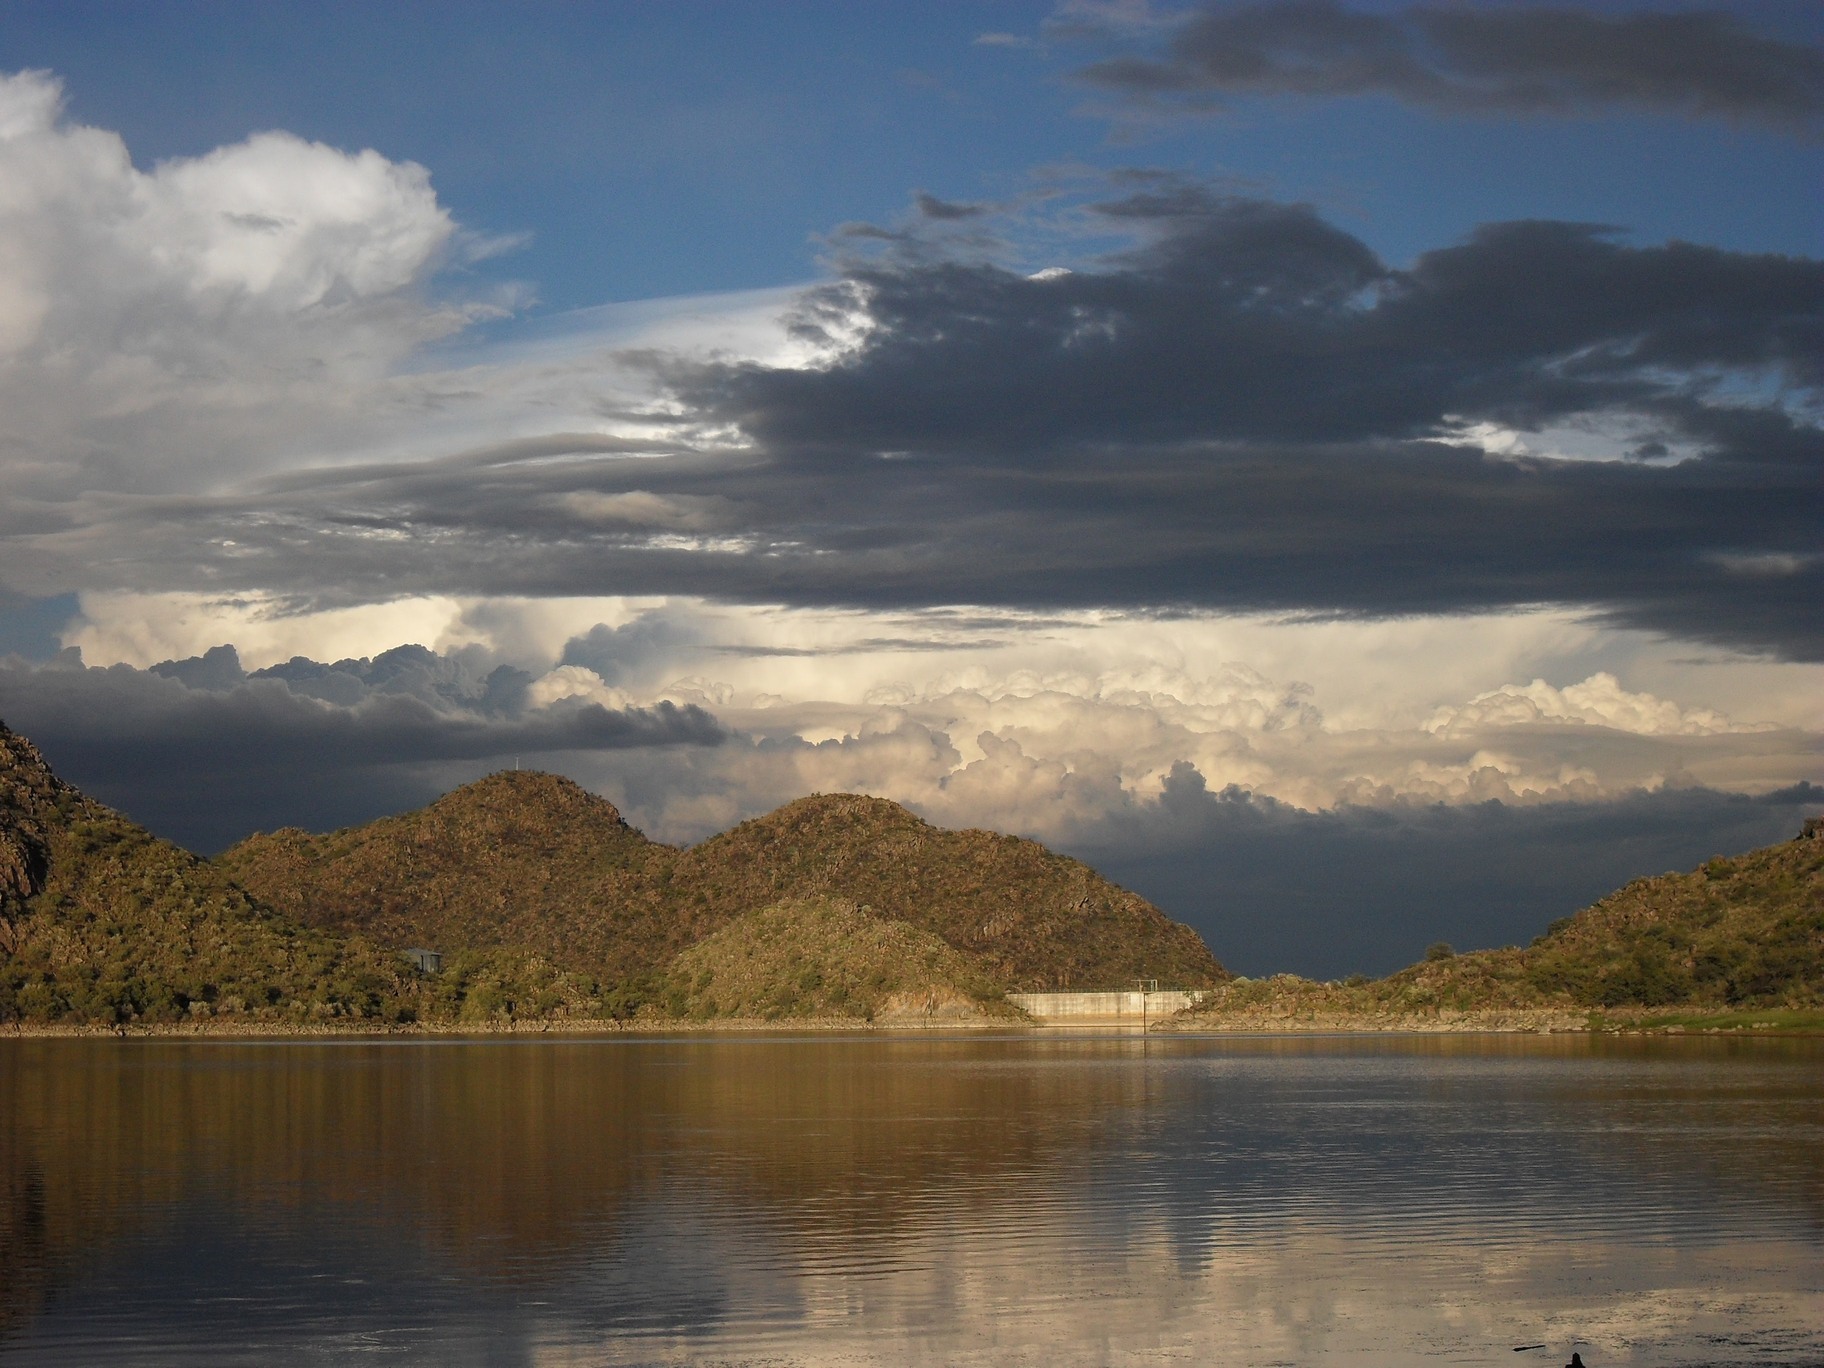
[1104,1009]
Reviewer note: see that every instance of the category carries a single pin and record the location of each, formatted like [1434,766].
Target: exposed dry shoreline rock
[960,1015]
[911,1023]
[1444,1022]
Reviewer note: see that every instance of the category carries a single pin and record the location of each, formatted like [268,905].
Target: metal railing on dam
[1105,1009]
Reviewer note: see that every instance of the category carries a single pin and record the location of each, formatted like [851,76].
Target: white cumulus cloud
[200,316]
[574,681]
[1598,701]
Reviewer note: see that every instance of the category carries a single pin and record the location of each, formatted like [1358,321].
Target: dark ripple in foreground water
[1031,1200]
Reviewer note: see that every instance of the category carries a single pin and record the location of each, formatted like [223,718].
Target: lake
[873,1199]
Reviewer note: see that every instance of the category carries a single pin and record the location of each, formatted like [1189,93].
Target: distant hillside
[532,860]
[1744,932]
[102,923]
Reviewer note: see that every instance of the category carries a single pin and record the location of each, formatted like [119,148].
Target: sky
[1354,472]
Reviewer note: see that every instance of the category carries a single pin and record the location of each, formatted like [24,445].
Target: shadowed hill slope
[102,923]
[533,860]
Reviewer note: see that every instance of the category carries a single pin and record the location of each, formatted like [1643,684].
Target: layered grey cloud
[1245,410]
[1499,60]
[1266,411]
[1243,320]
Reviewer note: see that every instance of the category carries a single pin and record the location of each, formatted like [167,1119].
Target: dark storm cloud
[1245,411]
[1518,60]
[29,627]
[1251,321]
[204,753]
[624,654]
[1238,414]
[1275,889]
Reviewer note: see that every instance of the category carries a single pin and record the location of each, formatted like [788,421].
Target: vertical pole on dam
[1145,986]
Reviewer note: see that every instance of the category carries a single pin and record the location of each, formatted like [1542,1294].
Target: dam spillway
[1121,1008]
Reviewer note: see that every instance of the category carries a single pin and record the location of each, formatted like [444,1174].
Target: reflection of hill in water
[526,1163]
[23,1256]
[508,1154]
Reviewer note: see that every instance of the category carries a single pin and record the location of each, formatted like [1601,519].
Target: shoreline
[577,1028]
[1492,1022]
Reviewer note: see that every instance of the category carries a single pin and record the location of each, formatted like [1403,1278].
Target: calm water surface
[869,1200]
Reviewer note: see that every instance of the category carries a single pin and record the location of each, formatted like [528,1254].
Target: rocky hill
[545,904]
[1741,930]
[532,860]
[102,923]
[517,859]
[1028,918]
[548,905]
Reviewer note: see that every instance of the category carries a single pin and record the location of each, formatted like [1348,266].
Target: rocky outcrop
[32,802]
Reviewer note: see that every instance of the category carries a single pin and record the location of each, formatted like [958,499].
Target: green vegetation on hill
[1736,931]
[548,906]
[532,860]
[810,957]
[1740,933]
[103,924]
[1747,931]
[519,859]
[1029,918]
